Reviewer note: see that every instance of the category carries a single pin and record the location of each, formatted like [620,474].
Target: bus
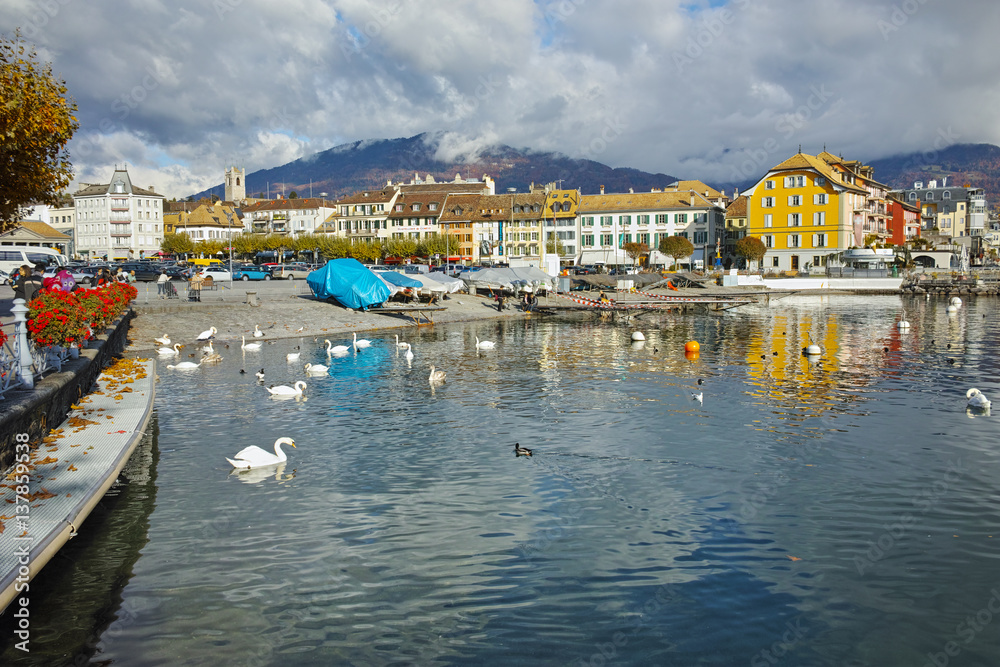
[12,257]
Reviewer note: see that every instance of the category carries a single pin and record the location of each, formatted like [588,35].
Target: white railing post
[23,347]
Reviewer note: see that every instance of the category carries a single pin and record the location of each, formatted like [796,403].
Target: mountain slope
[977,165]
[367,165]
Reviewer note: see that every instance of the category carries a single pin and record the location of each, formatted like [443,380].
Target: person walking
[161,284]
[27,285]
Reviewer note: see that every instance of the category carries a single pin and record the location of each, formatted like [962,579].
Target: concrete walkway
[53,488]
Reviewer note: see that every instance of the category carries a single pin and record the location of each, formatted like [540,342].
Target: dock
[55,484]
[419,315]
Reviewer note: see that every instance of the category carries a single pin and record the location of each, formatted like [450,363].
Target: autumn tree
[177,244]
[676,247]
[554,246]
[635,250]
[36,122]
[751,249]
[400,248]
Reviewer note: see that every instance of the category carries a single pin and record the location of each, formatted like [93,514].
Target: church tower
[236,185]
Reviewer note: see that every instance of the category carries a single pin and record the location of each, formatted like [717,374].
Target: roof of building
[738,209]
[36,229]
[697,186]
[382,196]
[288,204]
[643,201]
[446,187]
[424,200]
[804,161]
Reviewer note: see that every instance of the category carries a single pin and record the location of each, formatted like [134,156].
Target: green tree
[177,244]
[554,246]
[436,244]
[636,250]
[246,245]
[367,251]
[334,247]
[751,249]
[400,248]
[676,247]
[36,122]
[293,195]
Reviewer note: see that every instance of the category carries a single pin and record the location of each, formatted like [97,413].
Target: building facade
[118,221]
[287,216]
[949,211]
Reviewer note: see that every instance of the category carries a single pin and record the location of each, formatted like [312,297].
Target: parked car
[216,274]
[290,271]
[85,275]
[4,277]
[144,271]
[251,273]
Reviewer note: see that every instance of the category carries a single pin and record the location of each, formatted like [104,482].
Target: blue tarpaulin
[349,282]
[399,280]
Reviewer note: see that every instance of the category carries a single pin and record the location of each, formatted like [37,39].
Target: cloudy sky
[717,90]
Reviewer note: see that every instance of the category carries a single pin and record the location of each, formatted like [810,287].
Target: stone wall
[36,411]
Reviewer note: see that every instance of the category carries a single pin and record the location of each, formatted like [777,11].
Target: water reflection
[697,531]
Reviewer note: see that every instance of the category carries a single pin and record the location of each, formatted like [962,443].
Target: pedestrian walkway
[53,488]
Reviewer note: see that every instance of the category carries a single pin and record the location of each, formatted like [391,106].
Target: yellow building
[559,214]
[805,210]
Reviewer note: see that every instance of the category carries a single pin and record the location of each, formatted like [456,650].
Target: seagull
[300,330]
[255,457]
[257,333]
[977,399]
[210,333]
[436,376]
[697,396]
[250,346]
[163,341]
[316,369]
[521,451]
[260,375]
[484,345]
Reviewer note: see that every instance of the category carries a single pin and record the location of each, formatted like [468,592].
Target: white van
[13,257]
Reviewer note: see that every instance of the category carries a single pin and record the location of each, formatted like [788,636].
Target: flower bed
[63,318]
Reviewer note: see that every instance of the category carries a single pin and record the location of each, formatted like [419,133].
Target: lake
[832,511]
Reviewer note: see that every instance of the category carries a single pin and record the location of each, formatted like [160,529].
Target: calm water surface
[839,512]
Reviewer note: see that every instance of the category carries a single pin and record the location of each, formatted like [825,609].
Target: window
[768,241]
[946,194]
[606,220]
[588,240]
[794,200]
[768,185]
[588,221]
[820,199]
[700,238]
[929,196]
[432,206]
[607,239]
[774,262]
[642,238]
[819,218]
[819,241]
[912,196]
[768,220]
[681,219]
[661,219]
[793,241]
[820,181]
[767,202]
[794,219]
[642,219]
[625,219]
[794,181]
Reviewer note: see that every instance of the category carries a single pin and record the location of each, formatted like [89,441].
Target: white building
[117,220]
[287,216]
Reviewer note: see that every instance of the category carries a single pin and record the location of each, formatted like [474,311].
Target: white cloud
[181,89]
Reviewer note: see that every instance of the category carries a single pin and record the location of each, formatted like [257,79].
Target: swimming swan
[364,342]
[409,353]
[257,333]
[402,346]
[209,333]
[285,390]
[185,365]
[250,346]
[168,350]
[484,345]
[335,349]
[977,399]
[255,457]
[317,369]
[163,341]
[436,376]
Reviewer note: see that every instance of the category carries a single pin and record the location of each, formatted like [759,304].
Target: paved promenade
[54,487]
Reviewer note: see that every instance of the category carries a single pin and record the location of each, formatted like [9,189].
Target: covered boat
[509,279]
[349,282]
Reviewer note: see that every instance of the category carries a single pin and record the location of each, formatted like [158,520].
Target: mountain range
[369,164]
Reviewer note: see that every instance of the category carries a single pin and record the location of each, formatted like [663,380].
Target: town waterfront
[839,511]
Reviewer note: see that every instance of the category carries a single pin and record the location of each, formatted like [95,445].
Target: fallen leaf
[71,467]
[793,558]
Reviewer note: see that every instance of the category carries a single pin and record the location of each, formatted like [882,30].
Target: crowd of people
[27,281]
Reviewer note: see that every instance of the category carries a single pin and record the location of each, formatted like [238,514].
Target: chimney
[631,191]
[602,189]
[944,182]
[692,201]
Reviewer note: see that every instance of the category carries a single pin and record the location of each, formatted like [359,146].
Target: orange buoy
[692,346]
[688,354]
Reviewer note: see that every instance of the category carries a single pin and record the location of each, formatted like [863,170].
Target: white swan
[317,369]
[409,353]
[250,346]
[257,333]
[209,333]
[170,350]
[185,365]
[208,349]
[977,399]
[335,349]
[484,345]
[403,345]
[436,376]
[364,342]
[292,356]
[285,390]
[255,457]
[163,341]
